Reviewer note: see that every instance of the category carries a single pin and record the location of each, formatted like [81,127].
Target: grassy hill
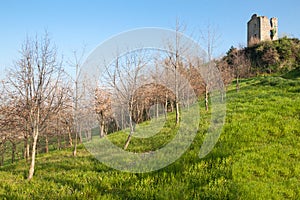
[256,157]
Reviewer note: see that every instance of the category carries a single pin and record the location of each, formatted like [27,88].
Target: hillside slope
[256,157]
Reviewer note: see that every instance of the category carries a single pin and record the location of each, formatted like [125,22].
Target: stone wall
[260,28]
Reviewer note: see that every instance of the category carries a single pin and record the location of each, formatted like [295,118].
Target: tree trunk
[13,152]
[26,148]
[102,129]
[75,145]
[80,136]
[176,99]
[33,152]
[58,141]
[131,131]
[127,141]
[237,84]
[86,135]
[206,97]
[166,106]
[46,144]
[237,76]
[177,112]
[90,134]
[102,134]
[157,111]
[70,136]
[2,158]
[2,154]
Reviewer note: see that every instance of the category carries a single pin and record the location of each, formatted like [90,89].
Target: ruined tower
[260,28]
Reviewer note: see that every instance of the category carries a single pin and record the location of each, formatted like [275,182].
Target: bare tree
[11,122]
[123,79]
[208,37]
[176,50]
[158,91]
[76,63]
[102,108]
[238,61]
[35,80]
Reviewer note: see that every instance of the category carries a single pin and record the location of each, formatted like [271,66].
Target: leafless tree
[208,38]
[35,81]
[175,51]
[76,62]
[102,108]
[238,61]
[123,78]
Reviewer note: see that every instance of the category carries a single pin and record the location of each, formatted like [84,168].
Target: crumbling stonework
[260,28]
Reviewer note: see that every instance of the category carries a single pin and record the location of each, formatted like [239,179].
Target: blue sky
[74,23]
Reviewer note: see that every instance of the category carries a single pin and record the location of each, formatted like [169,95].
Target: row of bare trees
[40,104]
[36,100]
[135,83]
[142,80]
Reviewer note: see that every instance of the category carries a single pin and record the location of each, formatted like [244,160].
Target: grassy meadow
[256,157]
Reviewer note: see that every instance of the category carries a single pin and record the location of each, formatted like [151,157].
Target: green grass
[256,157]
[140,144]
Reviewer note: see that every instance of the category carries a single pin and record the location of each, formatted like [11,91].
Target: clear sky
[73,23]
